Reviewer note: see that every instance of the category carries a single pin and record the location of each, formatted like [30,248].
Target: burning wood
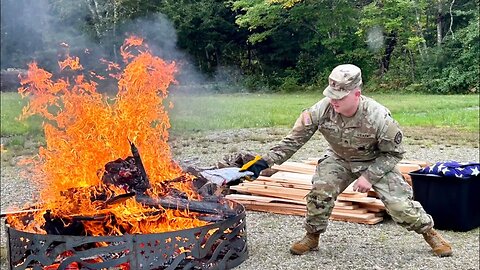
[128,173]
[117,215]
[86,128]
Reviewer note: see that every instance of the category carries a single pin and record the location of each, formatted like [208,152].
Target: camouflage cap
[342,80]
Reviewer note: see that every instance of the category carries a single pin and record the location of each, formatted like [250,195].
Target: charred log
[139,163]
[125,173]
[202,207]
[60,226]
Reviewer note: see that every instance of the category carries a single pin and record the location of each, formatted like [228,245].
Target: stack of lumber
[284,193]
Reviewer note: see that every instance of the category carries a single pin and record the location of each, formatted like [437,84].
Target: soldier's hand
[256,165]
[362,185]
[236,159]
[225,176]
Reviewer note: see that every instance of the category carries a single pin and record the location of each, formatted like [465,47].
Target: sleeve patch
[307,118]
[398,138]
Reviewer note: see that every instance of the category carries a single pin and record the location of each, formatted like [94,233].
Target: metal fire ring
[220,245]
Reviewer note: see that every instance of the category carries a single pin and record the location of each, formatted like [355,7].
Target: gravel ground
[343,246]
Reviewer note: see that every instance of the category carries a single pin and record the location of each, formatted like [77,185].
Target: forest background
[402,46]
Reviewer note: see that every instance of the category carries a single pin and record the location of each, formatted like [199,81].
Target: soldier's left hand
[362,184]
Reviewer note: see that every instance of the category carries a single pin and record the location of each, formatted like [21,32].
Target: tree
[207,31]
[302,40]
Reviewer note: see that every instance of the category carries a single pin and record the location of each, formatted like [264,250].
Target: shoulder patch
[307,118]
[398,137]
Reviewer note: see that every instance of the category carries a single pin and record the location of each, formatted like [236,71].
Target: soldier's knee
[319,194]
[397,207]
[400,210]
[408,212]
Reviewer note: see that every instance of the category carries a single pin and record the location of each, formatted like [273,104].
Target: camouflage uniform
[369,144]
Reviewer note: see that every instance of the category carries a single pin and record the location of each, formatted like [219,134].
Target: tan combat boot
[439,245]
[308,243]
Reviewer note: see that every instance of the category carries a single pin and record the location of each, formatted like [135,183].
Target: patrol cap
[342,80]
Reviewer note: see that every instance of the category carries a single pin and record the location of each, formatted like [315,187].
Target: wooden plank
[265,182]
[406,168]
[372,219]
[353,215]
[372,193]
[407,178]
[354,194]
[367,200]
[350,211]
[338,203]
[350,207]
[421,163]
[285,193]
[375,207]
[277,202]
[297,167]
[271,204]
[245,197]
[294,177]
[298,212]
[285,180]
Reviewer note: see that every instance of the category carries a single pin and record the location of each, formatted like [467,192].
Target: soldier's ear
[358,92]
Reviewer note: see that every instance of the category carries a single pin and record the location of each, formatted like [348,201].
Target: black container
[454,203]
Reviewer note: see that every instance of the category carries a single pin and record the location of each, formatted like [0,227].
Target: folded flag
[453,169]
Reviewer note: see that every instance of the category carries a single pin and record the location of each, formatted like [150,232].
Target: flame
[85,129]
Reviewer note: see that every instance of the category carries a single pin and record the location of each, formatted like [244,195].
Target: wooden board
[297,167]
[294,177]
[284,193]
[278,192]
[405,168]
[245,197]
[281,184]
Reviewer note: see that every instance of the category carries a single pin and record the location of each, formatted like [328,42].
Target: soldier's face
[347,105]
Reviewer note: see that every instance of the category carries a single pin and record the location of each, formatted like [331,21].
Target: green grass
[207,112]
[11,108]
[230,111]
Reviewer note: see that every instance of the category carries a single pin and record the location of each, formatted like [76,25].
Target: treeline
[274,45]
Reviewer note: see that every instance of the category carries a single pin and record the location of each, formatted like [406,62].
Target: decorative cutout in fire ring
[220,245]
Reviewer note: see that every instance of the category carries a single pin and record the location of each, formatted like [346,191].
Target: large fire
[85,129]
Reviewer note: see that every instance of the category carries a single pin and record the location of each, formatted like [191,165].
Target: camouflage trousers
[333,175]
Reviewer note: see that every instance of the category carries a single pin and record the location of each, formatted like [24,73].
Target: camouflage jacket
[370,142]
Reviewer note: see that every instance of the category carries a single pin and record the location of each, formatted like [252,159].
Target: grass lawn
[206,112]
[425,118]
[231,111]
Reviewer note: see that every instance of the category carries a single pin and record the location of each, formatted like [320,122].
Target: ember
[100,193]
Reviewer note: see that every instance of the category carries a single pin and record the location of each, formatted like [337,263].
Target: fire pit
[101,205]
[221,245]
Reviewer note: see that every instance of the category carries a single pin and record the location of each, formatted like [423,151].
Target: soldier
[365,144]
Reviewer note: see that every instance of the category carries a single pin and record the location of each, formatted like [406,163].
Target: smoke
[375,38]
[35,30]
[23,25]
[161,37]
[160,34]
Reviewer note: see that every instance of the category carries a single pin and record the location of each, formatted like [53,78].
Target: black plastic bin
[454,203]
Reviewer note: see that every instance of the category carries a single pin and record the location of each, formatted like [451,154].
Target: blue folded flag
[453,169]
